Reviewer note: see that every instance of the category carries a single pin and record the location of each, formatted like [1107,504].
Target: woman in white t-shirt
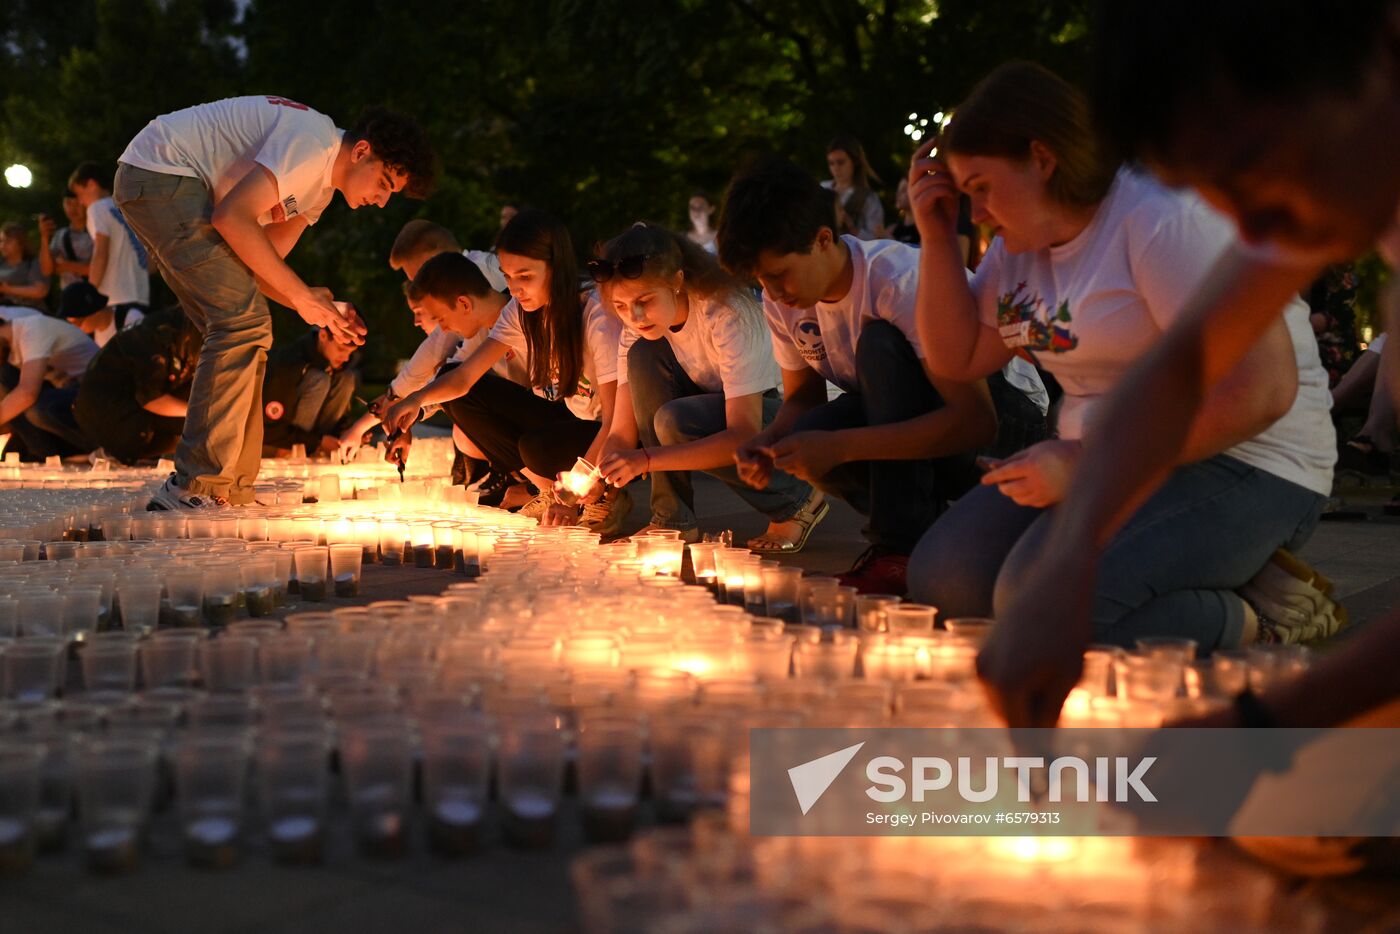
[695,378]
[1091,264]
[569,345]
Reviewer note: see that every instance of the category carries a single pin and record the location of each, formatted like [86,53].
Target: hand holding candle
[575,486]
[622,467]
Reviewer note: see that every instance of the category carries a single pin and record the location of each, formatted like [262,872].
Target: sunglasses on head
[629,267]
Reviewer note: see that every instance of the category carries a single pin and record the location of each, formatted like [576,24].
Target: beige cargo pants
[221,445]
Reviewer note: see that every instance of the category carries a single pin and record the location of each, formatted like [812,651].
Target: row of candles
[564,664]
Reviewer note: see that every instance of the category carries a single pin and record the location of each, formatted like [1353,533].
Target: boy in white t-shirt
[897,445]
[219,194]
[51,357]
[118,268]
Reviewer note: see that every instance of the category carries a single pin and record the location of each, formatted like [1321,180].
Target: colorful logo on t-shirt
[807,335]
[1026,322]
[274,410]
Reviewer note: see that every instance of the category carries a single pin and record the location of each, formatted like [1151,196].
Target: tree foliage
[601,112]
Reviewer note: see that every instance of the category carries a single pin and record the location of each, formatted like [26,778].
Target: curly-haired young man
[219,194]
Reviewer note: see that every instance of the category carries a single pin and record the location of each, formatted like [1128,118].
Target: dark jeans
[1172,570]
[47,427]
[671,409]
[515,428]
[901,497]
[128,432]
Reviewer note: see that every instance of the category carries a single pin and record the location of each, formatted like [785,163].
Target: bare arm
[622,434]
[959,346]
[607,398]
[453,384]
[236,220]
[167,406]
[26,393]
[32,290]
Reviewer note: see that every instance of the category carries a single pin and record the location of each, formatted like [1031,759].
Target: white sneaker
[172,497]
[1293,601]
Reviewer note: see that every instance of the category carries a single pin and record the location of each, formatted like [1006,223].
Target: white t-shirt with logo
[601,332]
[69,350]
[884,287]
[126,278]
[1088,309]
[723,346]
[219,143]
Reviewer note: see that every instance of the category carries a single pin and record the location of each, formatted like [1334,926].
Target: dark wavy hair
[772,206]
[554,333]
[1020,103]
[668,253]
[401,144]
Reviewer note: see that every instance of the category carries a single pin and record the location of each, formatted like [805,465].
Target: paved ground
[503,889]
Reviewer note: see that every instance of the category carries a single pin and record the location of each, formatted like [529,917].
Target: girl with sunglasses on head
[695,378]
[569,344]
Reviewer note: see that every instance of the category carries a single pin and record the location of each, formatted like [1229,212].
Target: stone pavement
[500,888]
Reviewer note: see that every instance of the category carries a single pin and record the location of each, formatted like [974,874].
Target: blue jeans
[1172,570]
[671,409]
[901,497]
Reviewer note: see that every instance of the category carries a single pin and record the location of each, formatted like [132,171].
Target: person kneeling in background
[132,401]
[307,394]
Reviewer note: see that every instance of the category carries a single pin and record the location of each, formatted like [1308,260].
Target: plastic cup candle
[293,776]
[345,569]
[531,777]
[222,586]
[609,777]
[209,771]
[702,560]
[258,575]
[116,780]
[456,775]
[20,770]
[577,483]
[185,588]
[311,572]
[379,778]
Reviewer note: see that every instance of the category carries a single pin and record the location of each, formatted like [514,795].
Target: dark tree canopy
[603,113]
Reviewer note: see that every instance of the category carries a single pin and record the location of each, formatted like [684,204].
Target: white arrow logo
[810,780]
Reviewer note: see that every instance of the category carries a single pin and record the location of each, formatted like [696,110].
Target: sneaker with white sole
[607,516]
[536,507]
[172,497]
[1293,602]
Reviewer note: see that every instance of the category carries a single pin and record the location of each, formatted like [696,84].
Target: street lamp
[19,176]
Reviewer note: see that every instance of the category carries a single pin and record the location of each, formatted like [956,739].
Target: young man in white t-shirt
[51,357]
[897,445]
[417,242]
[119,265]
[219,194]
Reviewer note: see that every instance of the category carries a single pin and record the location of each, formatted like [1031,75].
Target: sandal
[813,511]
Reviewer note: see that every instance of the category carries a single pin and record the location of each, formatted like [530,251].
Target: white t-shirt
[15,312]
[219,143]
[1377,345]
[69,350]
[126,278]
[1088,309]
[134,316]
[723,346]
[884,287]
[871,223]
[601,332]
